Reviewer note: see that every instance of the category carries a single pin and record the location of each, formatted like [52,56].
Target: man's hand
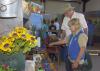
[51,44]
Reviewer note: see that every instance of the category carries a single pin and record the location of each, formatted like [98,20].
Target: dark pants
[68,65]
[64,53]
[82,67]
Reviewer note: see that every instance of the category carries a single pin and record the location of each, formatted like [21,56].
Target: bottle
[39,41]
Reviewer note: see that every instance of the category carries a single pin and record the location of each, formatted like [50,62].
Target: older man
[70,14]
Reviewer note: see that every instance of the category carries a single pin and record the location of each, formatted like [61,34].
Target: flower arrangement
[17,40]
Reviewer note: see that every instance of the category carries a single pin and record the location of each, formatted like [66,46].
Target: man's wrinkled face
[68,13]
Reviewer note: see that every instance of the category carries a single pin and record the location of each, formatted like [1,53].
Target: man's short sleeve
[63,24]
[83,21]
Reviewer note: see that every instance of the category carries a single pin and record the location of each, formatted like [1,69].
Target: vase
[15,61]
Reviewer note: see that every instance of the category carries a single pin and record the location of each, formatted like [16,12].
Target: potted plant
[14,46]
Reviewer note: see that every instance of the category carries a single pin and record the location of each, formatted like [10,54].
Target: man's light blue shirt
[36,20]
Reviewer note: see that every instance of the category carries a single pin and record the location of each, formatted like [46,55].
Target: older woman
[76,45]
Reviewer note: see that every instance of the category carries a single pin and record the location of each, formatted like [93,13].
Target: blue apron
[74,48]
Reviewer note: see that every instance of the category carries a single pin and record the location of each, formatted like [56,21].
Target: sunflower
[33,44]
[33,41]
[5,46]
[10,39]
[23,36]
[30,37]
[13,34]
[20,30]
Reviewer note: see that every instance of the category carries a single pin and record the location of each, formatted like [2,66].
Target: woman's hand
[75,65]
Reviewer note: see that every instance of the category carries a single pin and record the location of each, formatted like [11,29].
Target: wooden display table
[55,50]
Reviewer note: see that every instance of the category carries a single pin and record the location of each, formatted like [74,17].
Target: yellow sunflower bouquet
[17,40]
